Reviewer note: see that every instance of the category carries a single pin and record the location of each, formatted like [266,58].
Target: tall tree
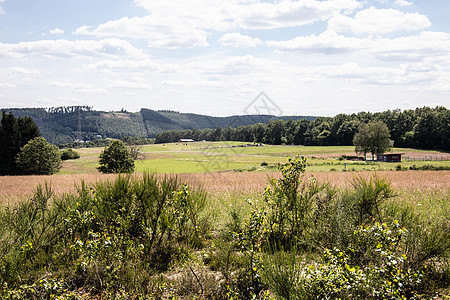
[14,134]
[373,137]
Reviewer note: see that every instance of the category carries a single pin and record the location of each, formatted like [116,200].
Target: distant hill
[60,125]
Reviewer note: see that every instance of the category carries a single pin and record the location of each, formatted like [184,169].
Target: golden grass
[16,188]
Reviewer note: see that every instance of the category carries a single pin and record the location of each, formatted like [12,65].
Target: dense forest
[427,128]
[62,125]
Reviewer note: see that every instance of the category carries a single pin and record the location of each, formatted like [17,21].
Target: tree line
[427,128]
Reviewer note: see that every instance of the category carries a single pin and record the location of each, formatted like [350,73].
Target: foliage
[108,238]
[409,128]
[116,158]
[249,242]
[14,134]
[38,157]
[153,237]
[291,202]
[372,138]
[69,154]
[375,269]
[420,128]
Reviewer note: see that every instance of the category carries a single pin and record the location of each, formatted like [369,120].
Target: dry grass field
[15,188]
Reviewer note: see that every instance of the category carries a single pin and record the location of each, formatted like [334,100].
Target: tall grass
[153,236]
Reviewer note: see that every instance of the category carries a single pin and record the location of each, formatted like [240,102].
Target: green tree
[38,157]
[116,158]
[14,134]
[373,137]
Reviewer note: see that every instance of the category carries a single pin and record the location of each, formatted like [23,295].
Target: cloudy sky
[214,57]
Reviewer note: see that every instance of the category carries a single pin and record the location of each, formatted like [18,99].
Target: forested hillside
[427,128]
[60,125]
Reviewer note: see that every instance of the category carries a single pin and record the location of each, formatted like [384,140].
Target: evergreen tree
[14,134]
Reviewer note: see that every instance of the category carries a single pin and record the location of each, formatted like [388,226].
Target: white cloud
[125,65]
[56,31]
[7,85]
[237,40]
[434,46]
[83,88]
[178,24]
[379,21]
[403,3]
[194,83]
[65,48]
[328,42]
[70,85]
[161,35]
[264,15]
[2,12]
[127,84]
[18,73]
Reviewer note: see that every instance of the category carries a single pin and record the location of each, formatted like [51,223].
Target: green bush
[116,158]
[110,237]
[38,157]
[69,154]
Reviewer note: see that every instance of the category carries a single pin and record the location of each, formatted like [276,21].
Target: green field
[200,157]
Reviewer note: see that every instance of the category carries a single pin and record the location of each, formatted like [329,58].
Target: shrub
[110,237]
[69,154]
[291,201]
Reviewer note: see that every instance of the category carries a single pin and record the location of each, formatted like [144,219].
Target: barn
[390,157]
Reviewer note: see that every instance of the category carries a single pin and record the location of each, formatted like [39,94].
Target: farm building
[390,157]
[185,140]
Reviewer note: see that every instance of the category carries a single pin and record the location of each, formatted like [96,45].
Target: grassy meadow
[202,157]
[214,239]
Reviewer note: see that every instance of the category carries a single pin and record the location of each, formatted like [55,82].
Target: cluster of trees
[420,128]
[22,149]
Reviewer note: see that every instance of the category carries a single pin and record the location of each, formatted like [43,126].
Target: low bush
[110,237]
[69,154]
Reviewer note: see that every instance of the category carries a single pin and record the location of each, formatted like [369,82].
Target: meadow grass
[201,157]
[227,215]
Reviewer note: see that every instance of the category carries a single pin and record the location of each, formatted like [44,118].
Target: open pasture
[201,157]
[229,167]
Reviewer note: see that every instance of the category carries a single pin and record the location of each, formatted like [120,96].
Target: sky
[215,57]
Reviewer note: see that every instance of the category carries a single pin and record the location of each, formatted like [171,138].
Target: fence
[427,158]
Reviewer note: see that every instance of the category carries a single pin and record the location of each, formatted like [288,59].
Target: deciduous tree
[38,157]
[116,158]
[373,137]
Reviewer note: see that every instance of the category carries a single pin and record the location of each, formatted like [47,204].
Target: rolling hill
[60,125]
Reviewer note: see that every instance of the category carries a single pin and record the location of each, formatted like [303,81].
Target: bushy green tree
[14,134]
[373,137]
[69,154]
[116,158]
[38,157]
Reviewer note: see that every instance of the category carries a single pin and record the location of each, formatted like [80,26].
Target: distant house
[185,140]
[390,157]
